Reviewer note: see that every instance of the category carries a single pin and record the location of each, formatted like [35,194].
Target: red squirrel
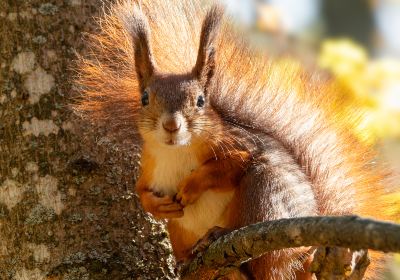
[230,136]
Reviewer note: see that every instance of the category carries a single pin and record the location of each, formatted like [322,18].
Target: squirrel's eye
[200,101]
[145,98]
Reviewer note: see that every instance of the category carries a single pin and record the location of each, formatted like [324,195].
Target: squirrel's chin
[177,142]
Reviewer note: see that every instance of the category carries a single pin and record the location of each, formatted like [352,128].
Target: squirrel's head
[175,108]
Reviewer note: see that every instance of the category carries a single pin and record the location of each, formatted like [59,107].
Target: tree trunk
[67,208]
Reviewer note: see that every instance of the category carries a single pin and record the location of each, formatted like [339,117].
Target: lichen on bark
[67,203]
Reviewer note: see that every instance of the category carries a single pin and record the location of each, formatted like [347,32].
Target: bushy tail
[278,97]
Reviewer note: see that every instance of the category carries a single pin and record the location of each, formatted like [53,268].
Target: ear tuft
[137,26]
[205,64]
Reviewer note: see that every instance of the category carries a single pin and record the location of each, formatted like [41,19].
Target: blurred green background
[357,43]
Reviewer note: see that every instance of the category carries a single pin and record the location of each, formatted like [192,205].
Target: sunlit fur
[249,90]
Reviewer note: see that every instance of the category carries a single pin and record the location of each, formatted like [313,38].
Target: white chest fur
[171,166]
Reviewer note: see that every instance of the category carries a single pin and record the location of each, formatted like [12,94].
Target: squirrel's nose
[172,125]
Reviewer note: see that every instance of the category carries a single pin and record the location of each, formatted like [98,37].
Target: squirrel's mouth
[178,137]
[171,142]
[177,141]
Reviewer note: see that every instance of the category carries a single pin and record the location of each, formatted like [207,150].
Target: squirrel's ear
[205,64]
[138,27]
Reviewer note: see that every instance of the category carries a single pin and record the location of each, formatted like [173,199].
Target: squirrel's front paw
[186,194]
[161,207]
[339,263]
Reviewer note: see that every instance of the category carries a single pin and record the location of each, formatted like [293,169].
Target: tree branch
[247,243]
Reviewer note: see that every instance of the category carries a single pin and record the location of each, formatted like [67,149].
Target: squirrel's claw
[339,263]
[161,207]
[210,236]
[186,195]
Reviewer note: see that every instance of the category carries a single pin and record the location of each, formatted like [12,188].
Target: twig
[247,243]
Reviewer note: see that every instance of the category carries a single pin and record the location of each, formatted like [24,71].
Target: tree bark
[67,208]
[67,203]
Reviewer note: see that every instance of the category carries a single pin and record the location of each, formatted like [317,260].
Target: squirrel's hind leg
[274,187]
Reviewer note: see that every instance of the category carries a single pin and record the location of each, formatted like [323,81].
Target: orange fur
[219,175]
[251,91]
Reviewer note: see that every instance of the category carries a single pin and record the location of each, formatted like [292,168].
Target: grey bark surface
[67,208]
